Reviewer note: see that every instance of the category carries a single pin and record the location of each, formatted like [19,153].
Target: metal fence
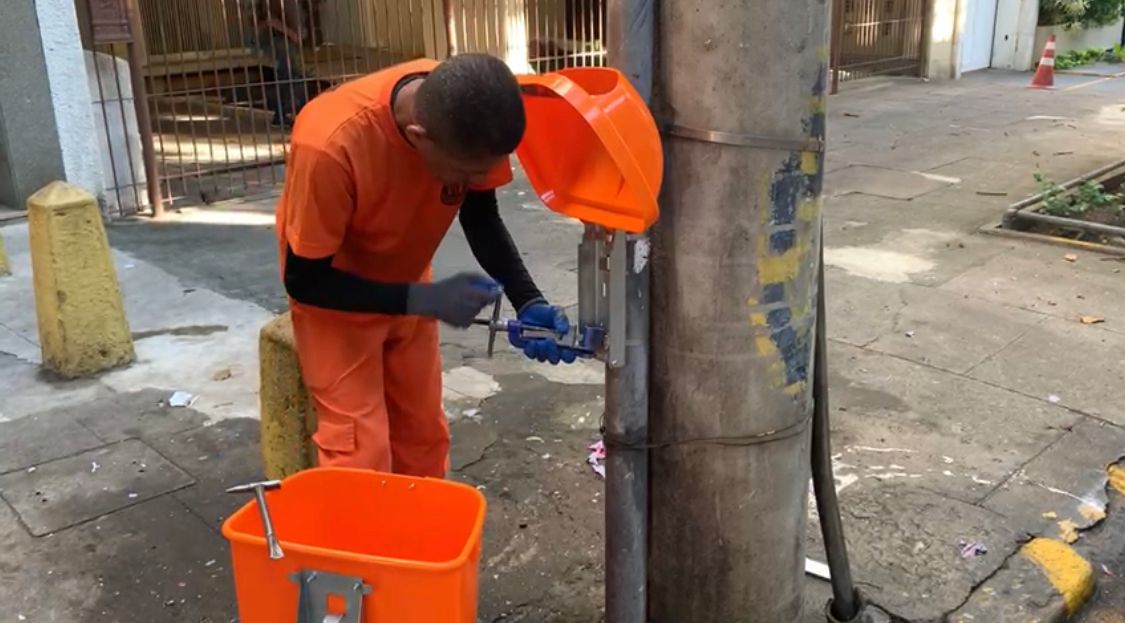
[194,99]
[878,38]
[207,89]
[118,105]
[532,35]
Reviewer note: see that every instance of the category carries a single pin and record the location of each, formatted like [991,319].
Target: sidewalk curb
[5,266]
[1045,581]
[1066,570]
[995,228]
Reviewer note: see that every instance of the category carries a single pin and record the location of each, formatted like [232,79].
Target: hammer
[259,489]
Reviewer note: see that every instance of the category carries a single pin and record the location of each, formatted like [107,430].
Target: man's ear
[417,134]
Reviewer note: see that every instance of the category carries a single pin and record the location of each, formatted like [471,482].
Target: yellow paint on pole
[794,389]
[82,324]
[1070,574]
[5,266]
[809,209]
[780,268]
[818,104]
[765,346]
[287,413]
[810,162]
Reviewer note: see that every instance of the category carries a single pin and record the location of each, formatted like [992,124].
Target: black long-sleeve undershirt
[494,249]
[315,282]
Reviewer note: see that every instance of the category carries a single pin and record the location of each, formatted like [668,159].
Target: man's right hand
[456,301]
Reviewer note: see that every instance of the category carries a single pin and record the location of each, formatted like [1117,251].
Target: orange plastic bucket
[415,541]
[592,150]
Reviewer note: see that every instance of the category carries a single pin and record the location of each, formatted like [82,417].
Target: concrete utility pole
[631,25]
[740,88]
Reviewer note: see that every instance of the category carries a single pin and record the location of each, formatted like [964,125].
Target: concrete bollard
[287,412]
[82,324]
[5,267]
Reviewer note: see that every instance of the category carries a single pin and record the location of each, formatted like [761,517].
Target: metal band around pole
[736,139]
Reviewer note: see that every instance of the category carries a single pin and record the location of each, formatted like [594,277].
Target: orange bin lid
[592,150]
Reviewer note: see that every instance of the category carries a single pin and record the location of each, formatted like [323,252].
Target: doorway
[979,31]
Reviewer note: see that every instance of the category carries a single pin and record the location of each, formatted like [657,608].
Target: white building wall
[70,98]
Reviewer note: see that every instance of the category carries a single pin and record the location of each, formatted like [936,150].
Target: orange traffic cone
[1045,73]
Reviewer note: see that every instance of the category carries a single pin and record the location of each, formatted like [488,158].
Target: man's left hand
[546,316]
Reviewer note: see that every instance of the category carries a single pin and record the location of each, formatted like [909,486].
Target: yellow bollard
[5,267]
[82,325]
[287,413]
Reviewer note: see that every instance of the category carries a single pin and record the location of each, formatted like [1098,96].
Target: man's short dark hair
[471,105]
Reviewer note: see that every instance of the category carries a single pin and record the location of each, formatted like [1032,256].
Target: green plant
[1092,55]
[1065,61]
[1077,58]
[1053,200]
[1087,13]
[1089,196]
[1093,196]
[1103,12]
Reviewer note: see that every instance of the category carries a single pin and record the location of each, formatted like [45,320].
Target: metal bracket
[616,291]
[592,310]
[315,589]
[601,288]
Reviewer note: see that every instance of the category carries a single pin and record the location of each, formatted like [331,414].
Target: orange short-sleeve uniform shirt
[355,188]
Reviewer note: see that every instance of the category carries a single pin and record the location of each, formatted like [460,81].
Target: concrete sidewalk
[970,405]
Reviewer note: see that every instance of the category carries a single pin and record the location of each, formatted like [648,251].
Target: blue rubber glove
[545,316]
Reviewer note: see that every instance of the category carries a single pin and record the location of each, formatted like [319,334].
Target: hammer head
[265,485]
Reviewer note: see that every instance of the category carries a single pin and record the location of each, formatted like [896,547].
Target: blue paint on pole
[779,318]
[773,293]
[789,184]
[782,241]
[794,350]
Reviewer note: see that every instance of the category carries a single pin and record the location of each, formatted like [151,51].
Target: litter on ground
[596,458]
[972,549]
[181,399]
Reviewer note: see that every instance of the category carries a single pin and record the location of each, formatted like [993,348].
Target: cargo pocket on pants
[333,436]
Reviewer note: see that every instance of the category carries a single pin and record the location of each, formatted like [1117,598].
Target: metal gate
[208,88]
[878,38]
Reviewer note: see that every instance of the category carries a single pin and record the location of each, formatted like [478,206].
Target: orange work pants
[376,384]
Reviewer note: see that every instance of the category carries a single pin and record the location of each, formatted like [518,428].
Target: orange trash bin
[405,548]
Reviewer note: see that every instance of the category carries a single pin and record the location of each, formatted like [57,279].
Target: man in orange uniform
[378,169]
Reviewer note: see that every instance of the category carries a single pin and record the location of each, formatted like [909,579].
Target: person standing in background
[279,34]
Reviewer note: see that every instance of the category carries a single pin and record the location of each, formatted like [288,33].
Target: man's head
[468,116]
